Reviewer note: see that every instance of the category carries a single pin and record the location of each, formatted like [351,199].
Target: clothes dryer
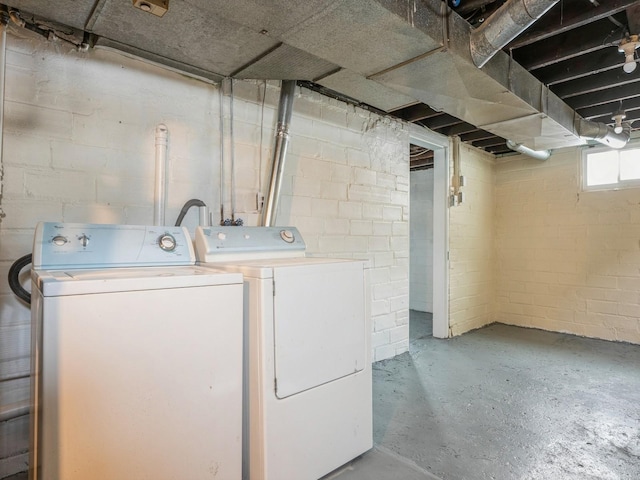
[308,398]
[136,370]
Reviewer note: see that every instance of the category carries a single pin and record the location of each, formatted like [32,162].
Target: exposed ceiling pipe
[603,133]
[285,108]
[537,154]
[471,5]
[509,21]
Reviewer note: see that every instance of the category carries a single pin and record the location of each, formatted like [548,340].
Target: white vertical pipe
[203,217]
[4,20]
[159,200]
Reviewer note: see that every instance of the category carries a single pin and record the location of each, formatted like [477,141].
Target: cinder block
[364,193]
[364,176]
[361,227]
[380,338]
[93,213]
[384,352]
[380,307]
[26,150]
[399,334]
[334,226]
[350,210]
[378,244]
[334,190]
[358,158]
[381,228]
[391,213]
[384,322]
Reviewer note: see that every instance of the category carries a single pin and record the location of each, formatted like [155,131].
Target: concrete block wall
[471,245]
[567,260]
[421,241]
[79,147]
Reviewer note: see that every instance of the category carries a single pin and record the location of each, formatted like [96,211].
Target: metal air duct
[509,21]
[537,154]
[603,133]
[285,109]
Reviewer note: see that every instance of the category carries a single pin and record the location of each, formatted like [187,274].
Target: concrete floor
[503,403]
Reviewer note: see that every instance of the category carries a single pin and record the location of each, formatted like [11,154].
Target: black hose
[14,278]
[194,202]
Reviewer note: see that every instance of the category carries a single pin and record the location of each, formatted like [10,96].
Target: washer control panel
[224,243]
[85,245]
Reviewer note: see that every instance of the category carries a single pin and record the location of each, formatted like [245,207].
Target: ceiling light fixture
[618,117]
[628,46]
[157,7]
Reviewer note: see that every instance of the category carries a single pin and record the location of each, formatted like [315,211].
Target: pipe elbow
[541,155]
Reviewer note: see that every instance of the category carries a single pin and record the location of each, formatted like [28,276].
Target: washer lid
[81,282]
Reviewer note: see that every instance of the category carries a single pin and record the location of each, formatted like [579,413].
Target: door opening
[429,230]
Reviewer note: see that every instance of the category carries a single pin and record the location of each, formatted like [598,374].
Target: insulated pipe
[159,200]
[603,133]
[537,154]
[285,108]
[509,21]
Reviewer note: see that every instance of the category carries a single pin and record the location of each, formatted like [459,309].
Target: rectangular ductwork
[386,53]
[424,52]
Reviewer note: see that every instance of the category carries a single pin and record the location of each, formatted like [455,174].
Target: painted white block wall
[79,147]
[567,260]
[471,245]
[421,241]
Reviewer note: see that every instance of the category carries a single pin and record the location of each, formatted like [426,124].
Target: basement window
[604,168]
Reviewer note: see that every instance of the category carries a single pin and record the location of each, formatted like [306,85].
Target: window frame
[620,184]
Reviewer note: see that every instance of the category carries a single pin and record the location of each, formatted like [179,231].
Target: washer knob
[167,242]
[59,240]
[222,236]
[84,240]
[287,236]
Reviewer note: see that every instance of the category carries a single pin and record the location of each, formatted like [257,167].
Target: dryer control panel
[86,245]
[221,244]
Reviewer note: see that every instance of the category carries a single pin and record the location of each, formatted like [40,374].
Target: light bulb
[618,129]
[629,63]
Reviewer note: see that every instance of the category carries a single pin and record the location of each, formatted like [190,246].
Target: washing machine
[308,397]
[137,357]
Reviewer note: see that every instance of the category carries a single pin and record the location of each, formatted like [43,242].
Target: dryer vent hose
[14,278]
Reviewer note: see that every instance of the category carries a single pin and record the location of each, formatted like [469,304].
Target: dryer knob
[167,242]
[287,236]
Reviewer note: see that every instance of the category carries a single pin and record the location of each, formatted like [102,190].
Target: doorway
[429,232]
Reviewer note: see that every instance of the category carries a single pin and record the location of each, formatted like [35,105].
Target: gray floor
[504,403]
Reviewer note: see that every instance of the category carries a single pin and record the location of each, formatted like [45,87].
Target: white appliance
[137,372]
[308,398]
